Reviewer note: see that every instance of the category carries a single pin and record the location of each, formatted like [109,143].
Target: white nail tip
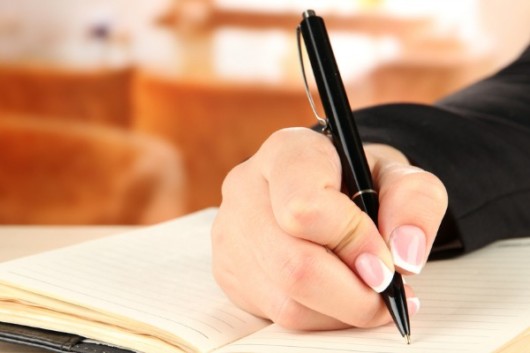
[416,302]
[388,275]
[399,262]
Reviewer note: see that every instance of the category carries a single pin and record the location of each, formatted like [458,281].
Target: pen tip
[408,339]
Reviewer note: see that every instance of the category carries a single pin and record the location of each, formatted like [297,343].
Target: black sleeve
[477,141]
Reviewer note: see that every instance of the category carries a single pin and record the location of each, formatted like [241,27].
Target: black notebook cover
[53,341]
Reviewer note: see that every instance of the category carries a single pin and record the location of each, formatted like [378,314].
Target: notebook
[152,291]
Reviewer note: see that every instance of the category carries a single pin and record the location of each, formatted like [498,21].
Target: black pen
[339,124]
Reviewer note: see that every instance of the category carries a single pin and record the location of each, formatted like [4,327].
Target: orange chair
[214,125]
[98,95]
[63,172]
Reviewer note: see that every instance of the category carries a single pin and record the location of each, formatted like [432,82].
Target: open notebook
[152,291]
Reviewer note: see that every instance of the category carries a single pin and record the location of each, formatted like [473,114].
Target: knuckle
[287,134]
[300,211]
[438,190]
[422,194]
[281,134]
[297,273]
[425,184]
[289,314]
[282,137]
[300,137]
[430,187]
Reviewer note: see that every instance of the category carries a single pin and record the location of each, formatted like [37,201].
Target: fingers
[254,291]
[301,270]
[289,246]
[307,204]
[289,290]
[412,205]
[286,287]
[275,275]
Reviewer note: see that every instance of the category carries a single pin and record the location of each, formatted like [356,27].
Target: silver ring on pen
[365,191]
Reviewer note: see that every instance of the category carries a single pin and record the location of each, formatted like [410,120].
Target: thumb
[412,205]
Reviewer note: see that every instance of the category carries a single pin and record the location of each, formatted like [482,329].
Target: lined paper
[472,304]
[160,276]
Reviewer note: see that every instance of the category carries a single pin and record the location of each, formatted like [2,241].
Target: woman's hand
[290,247]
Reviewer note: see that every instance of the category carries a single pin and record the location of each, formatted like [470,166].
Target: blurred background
[132,111]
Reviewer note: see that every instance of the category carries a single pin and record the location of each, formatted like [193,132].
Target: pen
[339,124]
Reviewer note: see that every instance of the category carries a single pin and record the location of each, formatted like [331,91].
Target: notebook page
[160,276]
[475,303]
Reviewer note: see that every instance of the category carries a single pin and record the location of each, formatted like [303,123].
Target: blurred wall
[205,82]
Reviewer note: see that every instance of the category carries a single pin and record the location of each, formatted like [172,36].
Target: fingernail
[373,271]
[407,244]
[413,305]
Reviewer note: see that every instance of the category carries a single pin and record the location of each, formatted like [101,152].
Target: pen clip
[322,121]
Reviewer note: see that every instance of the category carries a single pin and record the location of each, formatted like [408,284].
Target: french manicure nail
[408,244]
[373,271]
[413,305]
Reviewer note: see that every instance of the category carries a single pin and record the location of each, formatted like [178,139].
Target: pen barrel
[355,171]
[396,301]
[356,176]
[369,203]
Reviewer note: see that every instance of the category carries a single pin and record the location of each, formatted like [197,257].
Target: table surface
[18,241]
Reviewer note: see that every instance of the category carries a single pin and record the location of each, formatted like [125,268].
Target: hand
[290,247]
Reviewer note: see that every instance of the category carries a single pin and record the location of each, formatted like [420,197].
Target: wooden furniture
[206,15]
[215,125]
[217,122]
[66,172]
[94,95]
